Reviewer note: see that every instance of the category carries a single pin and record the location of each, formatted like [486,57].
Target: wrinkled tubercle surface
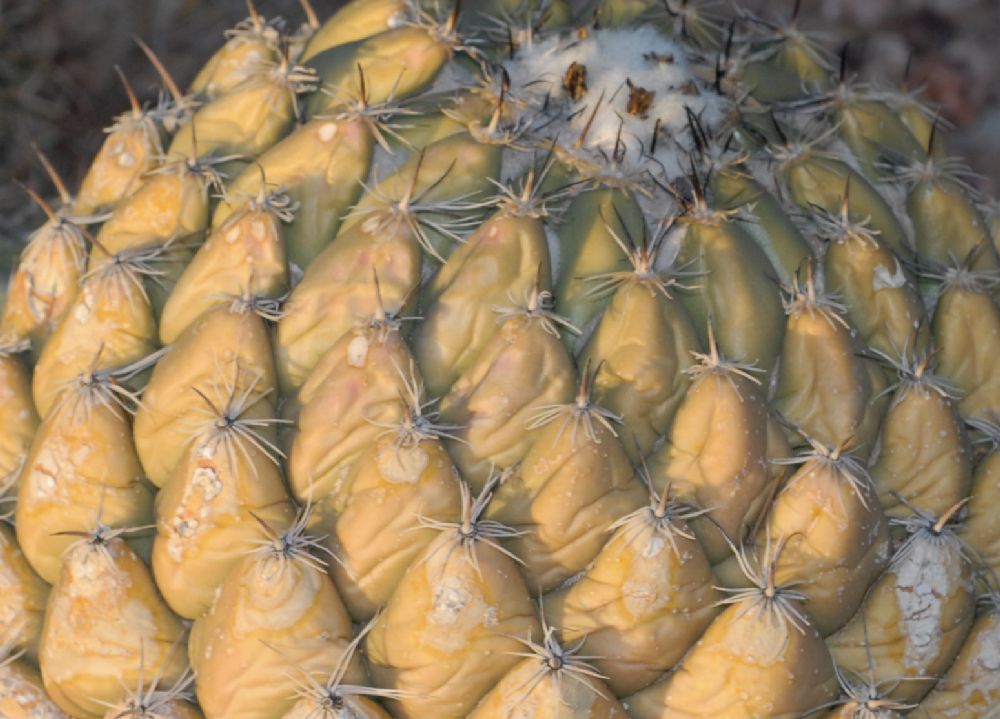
[273,620]
[378,535]
[772,670]
[104,624]
[736,293]
[715,456]
[448,633]
[642,348]
[82,466]
[640,605]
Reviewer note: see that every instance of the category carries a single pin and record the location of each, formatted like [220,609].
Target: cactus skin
[607,361]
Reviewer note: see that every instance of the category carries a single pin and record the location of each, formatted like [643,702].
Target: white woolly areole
[612,58]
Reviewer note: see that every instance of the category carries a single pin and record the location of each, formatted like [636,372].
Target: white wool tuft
[612,57]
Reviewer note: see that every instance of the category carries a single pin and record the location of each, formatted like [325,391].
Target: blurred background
[58,88]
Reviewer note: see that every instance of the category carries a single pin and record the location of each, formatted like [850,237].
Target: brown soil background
[58,88]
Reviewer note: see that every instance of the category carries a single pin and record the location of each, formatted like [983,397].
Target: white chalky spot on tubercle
[357,351]
[206,479]
[47,484]
[884,279]
[327,131]
[653,547]
[82,311]
[923,583]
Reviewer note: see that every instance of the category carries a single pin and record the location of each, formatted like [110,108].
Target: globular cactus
[519,359]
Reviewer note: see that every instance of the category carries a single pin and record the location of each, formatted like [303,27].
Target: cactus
[515,359]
